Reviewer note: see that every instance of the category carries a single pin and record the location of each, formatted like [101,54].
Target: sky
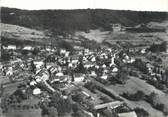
[138,5]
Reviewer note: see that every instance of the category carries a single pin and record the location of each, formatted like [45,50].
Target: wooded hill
[59,21]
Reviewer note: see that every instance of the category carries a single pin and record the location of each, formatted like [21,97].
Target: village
[50,81]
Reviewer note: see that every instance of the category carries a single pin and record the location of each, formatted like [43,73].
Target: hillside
[58,21]
[14,33]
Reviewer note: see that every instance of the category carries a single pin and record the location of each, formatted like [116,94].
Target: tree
[151,98]
[5,55]
[25,52]
[160,107]
[166,75]
[163,46]
[75,108]
[122,76]
[141,112]
[139,95]
[63,106]
[80,68]
[35,51]
[141,65]
[159,47]
[33,67]
[66,45]
[52,112]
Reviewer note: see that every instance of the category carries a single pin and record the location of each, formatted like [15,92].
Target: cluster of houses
[14,47]
[156,73]
[61,71]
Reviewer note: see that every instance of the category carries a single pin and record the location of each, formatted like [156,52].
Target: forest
[60,21]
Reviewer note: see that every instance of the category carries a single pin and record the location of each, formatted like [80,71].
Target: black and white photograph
[83,58]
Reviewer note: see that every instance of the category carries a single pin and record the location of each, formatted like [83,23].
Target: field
[22,33]
[25,109]
[127,37]
[23,113]
[135,84]
[96,35]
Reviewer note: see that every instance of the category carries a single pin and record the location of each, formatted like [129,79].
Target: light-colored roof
[27,48]
[13,47]
[59,74]
[127,114]
[36,91]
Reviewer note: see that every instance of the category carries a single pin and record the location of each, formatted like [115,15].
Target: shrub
[141,112]
[66,45]
[5,55]
[139,95]
[151,98]
[91,44]
[159,107]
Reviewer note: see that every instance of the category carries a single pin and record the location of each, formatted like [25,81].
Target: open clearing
[96,35]
[21,33]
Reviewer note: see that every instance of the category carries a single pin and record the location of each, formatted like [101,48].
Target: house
[97,66]
[109,50]
[42,75]
[114,70]
[85,59]
[60,79]
[104,66]
[150,67]
[104,77]
[116,27]
[10,47]
[33,83]
[79,48]
[38,79]
[105,71]
[10,71]
[45,76]
[111,105]
[48,49]
[70,65]
[131,60]
[36,91]
[112,61]
[128,114]
[143,51]
[38,64]
[62,51]
[79,77]
[88,65]
[128,59]
[74,59]
[86,50]
[28,48]
[67,54]
[59,74]
[93,73]
[103,56]
[93,59]
[52,69]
